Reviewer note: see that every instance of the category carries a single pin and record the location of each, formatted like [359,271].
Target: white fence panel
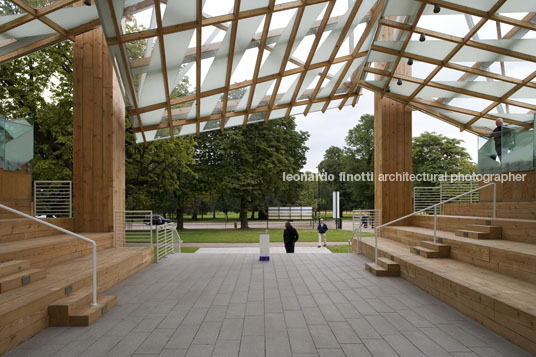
[165,241]
[133,227]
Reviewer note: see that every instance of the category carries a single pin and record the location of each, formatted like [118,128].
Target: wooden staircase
[488,270]
[76,310]
[385,267]
[431,250]
[17,273]
[481,231]
[46,277]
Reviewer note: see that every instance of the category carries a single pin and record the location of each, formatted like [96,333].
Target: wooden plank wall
[98,136]
[15,185]
[392,151]
[513,191]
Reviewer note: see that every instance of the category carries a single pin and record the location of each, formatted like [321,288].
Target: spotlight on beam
[399,82]
[87,2]
[388,89]
[422,38]
[437,8]
[410,61]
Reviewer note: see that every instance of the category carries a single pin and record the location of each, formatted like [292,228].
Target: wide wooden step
[18,229]
[517,230]
[495,232]
[47,251]
[516,259]
[24,312]
[472,234]
[502,303]
[16,280]
[13,266]
[76,310]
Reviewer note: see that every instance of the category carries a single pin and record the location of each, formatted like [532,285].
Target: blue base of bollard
[264,259]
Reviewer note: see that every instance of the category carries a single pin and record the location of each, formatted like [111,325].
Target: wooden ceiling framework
[286,79]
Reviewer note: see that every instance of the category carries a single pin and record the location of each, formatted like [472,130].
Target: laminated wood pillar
[392,152]
[98,136]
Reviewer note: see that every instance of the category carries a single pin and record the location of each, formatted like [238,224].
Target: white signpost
[336,208]
[264,247]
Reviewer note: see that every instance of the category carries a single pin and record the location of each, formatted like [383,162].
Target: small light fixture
[422,38]
[388,89]
[87,2]
[399,82]
[410,61]
[437,8]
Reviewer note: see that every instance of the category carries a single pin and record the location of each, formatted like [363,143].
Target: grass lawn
[189,249]
[251,235]
[183,250]
[339,248]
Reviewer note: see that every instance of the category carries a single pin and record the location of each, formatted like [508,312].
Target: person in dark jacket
[290,237]
[322,229]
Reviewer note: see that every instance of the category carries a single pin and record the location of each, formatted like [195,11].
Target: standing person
[497,135]
[322,229]
[290,237]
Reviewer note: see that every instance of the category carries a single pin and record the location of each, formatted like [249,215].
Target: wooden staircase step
[376,269]
[75,309]
[392,267]
[426,252]
[59,311]
[13,266]
[88,315]
[472,234]
[443,249]
[495,232]
[25,277]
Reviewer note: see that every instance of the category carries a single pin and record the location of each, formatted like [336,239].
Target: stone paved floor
[294,305]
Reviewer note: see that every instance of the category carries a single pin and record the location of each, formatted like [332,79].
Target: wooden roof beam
[340,40]
[230,59]
[286,56]
[377,12]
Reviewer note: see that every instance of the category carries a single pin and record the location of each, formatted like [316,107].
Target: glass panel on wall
[16,143]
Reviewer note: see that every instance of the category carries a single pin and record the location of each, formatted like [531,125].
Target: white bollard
[264,247]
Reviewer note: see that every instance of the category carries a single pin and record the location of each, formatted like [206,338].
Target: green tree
[249,163]
[359,158]
[39,86]
[437,154]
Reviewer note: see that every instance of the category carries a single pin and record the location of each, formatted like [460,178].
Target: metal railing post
[435,224]
[494,201]
[35,198]
[70,199]
[376,245]
[94,274]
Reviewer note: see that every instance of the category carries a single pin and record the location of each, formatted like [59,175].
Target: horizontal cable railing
[63,230]
[434,207]
[53,199]
[424,197]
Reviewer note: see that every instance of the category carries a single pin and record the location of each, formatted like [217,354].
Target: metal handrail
[63,230]
[494,214]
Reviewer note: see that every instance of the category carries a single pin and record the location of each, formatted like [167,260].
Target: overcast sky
[330,128]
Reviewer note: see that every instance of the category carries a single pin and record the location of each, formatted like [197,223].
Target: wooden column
[98,136]
[392,152]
